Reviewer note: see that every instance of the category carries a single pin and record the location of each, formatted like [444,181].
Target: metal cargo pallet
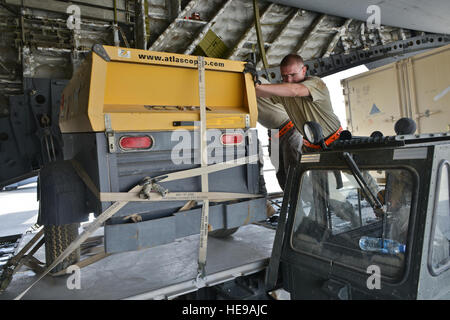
[162,272]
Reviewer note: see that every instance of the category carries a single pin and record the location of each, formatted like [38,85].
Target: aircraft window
[333,217]
[440,250]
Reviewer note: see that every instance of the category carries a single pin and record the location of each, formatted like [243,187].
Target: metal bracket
[200,280]
[322,67]
[110,134]
[427,114]
[98,49]
[247,121]
[185,123]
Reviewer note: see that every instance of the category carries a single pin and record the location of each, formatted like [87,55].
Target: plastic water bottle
[376,245]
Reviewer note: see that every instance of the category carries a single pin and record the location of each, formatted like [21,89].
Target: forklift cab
[394,189]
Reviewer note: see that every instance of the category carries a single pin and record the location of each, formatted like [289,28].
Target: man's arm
[281,90]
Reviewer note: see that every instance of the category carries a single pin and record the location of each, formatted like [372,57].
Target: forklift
[387,189]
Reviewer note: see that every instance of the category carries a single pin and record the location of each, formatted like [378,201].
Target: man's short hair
[291,59]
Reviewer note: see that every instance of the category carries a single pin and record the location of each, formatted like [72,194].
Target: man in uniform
[304,98]
[282,135]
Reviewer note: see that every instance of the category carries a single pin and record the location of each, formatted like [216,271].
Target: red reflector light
[139,142]
[232,139]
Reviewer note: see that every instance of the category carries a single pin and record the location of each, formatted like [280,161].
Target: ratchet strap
[176,196]
[172,196]
[14,264]
[97,223]
[122,198]
[201,269]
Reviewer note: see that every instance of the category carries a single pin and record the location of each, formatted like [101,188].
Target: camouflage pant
[289,151]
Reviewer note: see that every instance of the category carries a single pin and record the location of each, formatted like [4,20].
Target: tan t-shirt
[316,107]
[270,114]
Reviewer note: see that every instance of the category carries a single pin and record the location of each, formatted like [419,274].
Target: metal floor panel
[138,273]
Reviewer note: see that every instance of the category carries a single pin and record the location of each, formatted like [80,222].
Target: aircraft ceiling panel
[429,16]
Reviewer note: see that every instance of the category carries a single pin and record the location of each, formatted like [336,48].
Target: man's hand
[251,68]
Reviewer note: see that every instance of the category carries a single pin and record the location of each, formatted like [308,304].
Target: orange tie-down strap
[328,140]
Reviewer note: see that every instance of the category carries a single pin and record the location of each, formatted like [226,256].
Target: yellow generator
[131,117]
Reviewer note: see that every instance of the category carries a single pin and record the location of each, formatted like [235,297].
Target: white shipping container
[417,87]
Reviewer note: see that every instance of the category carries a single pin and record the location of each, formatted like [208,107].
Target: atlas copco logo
[123,53]
[180,60]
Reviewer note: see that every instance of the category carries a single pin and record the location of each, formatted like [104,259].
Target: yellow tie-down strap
[175,196]
[172,196]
